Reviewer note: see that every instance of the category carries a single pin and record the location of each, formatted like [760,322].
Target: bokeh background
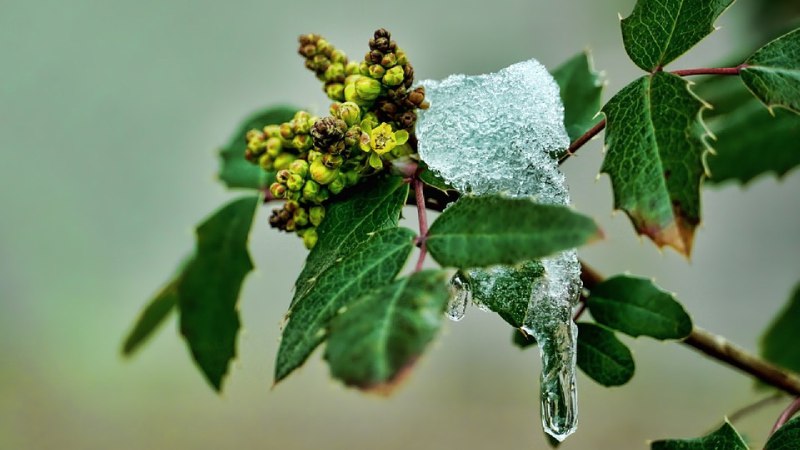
[110,116]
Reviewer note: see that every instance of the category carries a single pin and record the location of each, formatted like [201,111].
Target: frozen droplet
[460,296]
[500,134]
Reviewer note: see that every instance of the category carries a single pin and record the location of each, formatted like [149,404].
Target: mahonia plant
[343,180]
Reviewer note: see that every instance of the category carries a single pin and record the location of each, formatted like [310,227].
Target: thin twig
[787,414]
[586,137]
[422,214]
[755,406]
[719,348]
[710,71]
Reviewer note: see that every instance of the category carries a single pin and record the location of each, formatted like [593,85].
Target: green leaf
[637,307]
[725,438]
[658,31]
[153,315]
[773,72]
[349,221]
[750,127]
[432,179]
[654,136]
[372,265]
[209,287]
[235,171]
[786,437]
[505,290]
[481,231]
[381,335]
[581,92]
[602,356]
[779,342]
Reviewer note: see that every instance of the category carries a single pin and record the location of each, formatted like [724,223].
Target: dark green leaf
[488,230]
[750,141]
[209,287]
[637,307]
[658,31]
[522,340]
[349,221]
[725,438]
[779,343]
[372,265]
[235,171]
[654,138]
[786,437]
[505,290]
[152,317]
[381,335]
[773,72]
[602,356]
[434,180]
[581,93]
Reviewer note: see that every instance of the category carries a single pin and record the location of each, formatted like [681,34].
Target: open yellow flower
[380,140]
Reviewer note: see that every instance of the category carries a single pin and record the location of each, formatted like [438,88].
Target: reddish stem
[710,71]
[582,140]
[422,214]
[787,414]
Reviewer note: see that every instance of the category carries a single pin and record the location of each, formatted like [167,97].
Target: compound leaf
[372,265]
[779,342]
[581,92]
[637,307]
[235,171]
[773,72]
[481,231]
[726,437]
[654,138]
[349,221]
[381,335]
[658,31]
[602,356]
[209,287]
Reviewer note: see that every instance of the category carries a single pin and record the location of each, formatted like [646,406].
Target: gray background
[110,114]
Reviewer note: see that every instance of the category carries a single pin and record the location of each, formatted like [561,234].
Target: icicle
[498,134]
[460,296]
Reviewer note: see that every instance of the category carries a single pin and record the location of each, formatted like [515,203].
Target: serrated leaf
[581,92]
[725,438]
[637,307]
[349,221]
[658,31]
[776,138]
[773,72]
[372,265]
[481,231]
[153,315]
[380,336]
[505,290]
[235,171]
[786,437]
[209,287]
[654,140]
[779,342]
[602,356]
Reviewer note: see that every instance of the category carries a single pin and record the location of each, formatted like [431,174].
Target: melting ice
[500,134]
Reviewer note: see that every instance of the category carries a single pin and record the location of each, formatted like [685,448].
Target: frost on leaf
[499,134]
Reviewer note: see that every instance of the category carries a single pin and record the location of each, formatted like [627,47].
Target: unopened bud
[274,146]
[285,131]
[332,161]
[369,89]
[301,217]
[316,214]
[389,60]
[336,186]
[350,113]
[351,68]
[277,190]
[284,160]
[266,162]
[302,142]
[272,130]
[376,71]
[394,76]
[282,176]
[402,59]
[322,174]
[335,91]
[295,182]
[310,238]
[310,190]
[299,167]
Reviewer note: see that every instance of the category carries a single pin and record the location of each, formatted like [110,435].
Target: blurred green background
[110,114]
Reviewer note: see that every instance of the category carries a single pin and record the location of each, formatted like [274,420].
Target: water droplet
[460,296]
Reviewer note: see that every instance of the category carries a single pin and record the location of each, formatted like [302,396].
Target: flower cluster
[370,128]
